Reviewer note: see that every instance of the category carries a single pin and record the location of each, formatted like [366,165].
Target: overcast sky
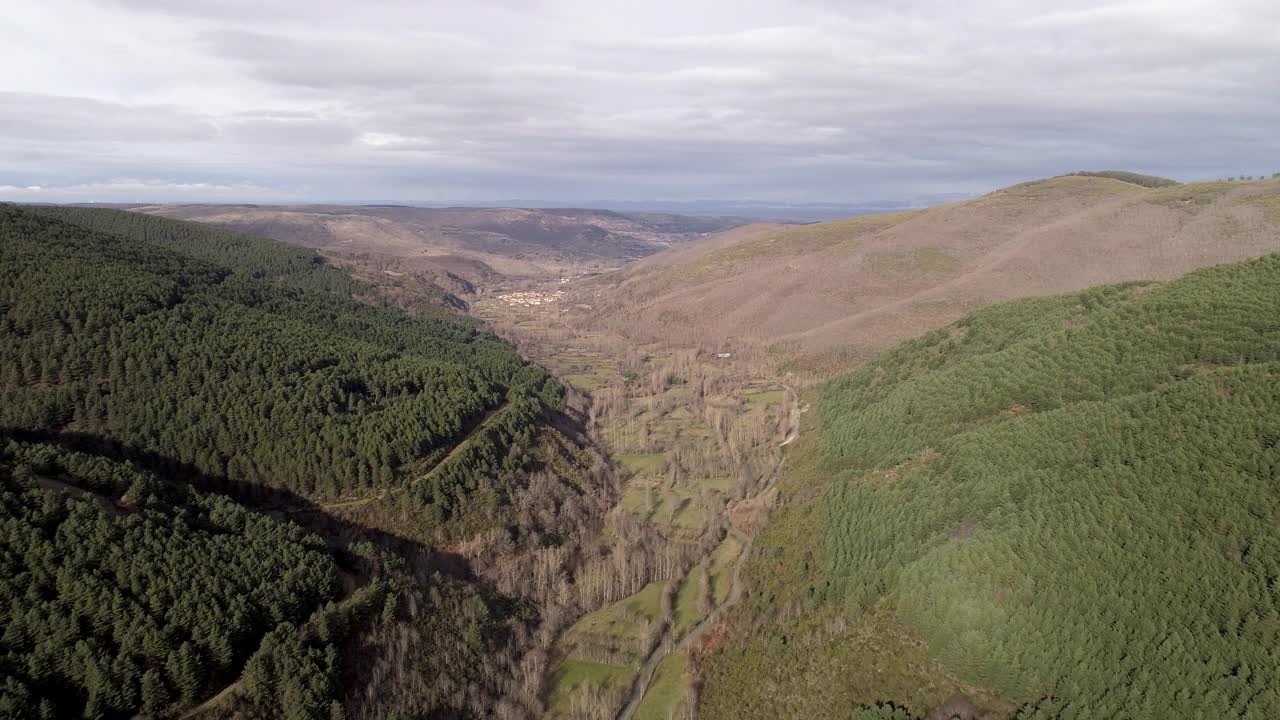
[587,100]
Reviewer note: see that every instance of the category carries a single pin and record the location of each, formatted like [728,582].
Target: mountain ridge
[852,287]
[478,244]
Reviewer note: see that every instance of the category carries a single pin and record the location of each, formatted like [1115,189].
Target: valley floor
[698,439]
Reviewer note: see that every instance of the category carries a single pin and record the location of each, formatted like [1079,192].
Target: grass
[680,413]
[619,619]
[619,632]
[1269,202]
[1149,181]
[722,485]
[1096,186]
[640,464]
[920,260]
[668,689]
[797,240]
[593,380]
[627,437]
[686,608]
[689,513]
[1194,194]
[680,508]
[720,573]
[636,494]
[767,397]
[572,674]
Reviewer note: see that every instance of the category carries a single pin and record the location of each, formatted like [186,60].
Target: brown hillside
[475,244]
[841,291]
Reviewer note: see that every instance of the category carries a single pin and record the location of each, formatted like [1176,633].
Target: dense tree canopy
[243,359]
[1075,500]
[152,374]
[122,592]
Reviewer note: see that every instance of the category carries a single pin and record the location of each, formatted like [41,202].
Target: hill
[224,464]
[836,293]
[1060,507]
[261,370]
[461,246]
[1150,181]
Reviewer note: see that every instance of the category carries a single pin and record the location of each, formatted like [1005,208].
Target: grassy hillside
[1150,181]
[817,299]
[174,398]
[1058,508]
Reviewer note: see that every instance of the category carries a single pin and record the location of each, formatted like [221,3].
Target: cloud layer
[577,101]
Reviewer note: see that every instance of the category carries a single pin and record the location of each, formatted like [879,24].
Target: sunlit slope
[1067,505]
[859,285]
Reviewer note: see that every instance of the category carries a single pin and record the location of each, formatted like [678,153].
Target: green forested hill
[165,385]
[1065,507]
[244,359]
[135,595]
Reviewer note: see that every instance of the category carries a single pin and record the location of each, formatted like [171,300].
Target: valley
[698,440]
[786,360]
[461,249]
[701,483]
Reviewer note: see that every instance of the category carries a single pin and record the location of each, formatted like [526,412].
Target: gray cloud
[796,100]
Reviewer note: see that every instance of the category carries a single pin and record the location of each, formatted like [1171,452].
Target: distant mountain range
[460,248]
[799,212]
[755,209]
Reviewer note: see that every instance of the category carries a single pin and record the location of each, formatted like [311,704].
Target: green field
[573,674]
[766,397]
[680,508]
[637,464]
[593,380]
[625,618]
[686,613]
[620,633]
[721,570]
[667,690]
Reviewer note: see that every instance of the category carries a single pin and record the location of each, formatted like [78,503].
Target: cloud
[573,100]
[128,190]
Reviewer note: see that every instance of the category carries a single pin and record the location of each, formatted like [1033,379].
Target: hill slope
[862,284]
[224,479]
[262,371]
[473,244]
[1064,507]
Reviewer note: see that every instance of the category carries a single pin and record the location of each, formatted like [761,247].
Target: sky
[585,101]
